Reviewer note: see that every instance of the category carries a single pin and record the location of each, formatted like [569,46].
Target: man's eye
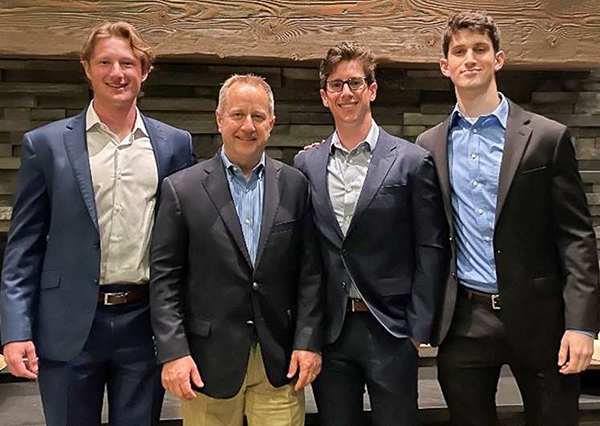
[336,84]
[258,117]
[355,83]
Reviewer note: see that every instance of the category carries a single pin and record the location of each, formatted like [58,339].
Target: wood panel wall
[535,33]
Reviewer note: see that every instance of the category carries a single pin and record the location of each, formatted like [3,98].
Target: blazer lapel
[217,188]
[322,202]
[161,147]
[274,187]
[382,159]
[76,148]
[515,142]
[439,154]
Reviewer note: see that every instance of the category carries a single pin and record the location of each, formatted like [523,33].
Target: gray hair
[250,79]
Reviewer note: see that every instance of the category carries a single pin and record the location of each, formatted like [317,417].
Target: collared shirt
[475,149]
[248,199]
[125,180]
[346,173]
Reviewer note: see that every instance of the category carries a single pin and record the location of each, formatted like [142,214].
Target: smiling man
[236,290]
[523,288]
[74,286]
[378,209]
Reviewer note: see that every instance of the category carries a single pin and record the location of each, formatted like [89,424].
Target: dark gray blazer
[208,301]
[544,243]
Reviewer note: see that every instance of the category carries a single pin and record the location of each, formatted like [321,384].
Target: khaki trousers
[260,402]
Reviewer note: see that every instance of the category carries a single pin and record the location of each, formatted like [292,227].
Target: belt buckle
[495,302]
[118,298]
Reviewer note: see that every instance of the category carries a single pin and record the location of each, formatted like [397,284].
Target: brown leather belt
[357,305]
[490,299]
[121,297]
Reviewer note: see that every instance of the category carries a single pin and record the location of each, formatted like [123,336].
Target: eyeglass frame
[365,81]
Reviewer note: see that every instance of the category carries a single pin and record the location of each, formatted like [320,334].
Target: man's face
[115,73]
[471,63]
[245,124]
[349,107]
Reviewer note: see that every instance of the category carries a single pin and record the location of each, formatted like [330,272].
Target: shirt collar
[371,139]
[258,169]
[92,119]
[501,112]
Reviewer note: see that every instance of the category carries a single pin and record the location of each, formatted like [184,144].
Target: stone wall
[184,94]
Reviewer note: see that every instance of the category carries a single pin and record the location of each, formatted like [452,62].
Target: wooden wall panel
[535,33]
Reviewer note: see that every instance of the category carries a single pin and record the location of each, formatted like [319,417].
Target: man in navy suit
[379,211]
[74,285]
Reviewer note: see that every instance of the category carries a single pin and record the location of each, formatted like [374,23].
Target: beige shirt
[125,180]
[346,173]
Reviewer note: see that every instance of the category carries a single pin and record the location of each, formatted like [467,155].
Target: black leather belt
[357,305]
[490,299]
[121,297]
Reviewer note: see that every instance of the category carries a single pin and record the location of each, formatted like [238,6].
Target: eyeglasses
[354,84]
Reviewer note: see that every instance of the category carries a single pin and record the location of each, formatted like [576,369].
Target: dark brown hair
[348,51]
[479,22]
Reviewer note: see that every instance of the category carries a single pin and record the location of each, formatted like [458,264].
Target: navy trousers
[367,354]
[118,356]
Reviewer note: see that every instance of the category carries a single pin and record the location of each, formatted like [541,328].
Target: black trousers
[469,363]
[119,355]
[367,354]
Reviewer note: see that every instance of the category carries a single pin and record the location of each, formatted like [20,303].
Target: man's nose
[248,123]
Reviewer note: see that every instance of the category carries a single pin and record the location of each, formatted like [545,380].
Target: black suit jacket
[395,247]
[544,243]
[206,298]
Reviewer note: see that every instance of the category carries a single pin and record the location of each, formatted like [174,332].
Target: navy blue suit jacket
[395,249]
[49,288]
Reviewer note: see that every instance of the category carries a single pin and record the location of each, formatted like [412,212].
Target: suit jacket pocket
[534,169]
[392,188]
[199,327]
[50,279]
[546,286]
[284,226]
[394,286]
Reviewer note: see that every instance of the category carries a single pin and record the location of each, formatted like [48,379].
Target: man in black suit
[236,291]
[378,209]
[523,288]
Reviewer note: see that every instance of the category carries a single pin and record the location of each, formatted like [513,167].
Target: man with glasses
[378,208]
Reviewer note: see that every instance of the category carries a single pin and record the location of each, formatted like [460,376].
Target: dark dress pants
[119,355]
[367,354]
[469,363]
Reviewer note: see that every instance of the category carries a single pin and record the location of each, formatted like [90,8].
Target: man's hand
[575,352]
[178,376]
[309,364]
[21,359]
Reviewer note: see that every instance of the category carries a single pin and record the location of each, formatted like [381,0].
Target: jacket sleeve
[576,241]
[431,251]
[25,248]
[168,255]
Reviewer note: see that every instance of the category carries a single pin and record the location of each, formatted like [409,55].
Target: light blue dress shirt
[248,199]
[475,152]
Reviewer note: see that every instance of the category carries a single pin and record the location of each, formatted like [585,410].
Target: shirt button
[473,156]
[118,208]
[480,211]
[475,183]
[247,221]
[474,130]
[348,189]
[255,286]
[250,323]
[487,239]
[114,239]
[119,176]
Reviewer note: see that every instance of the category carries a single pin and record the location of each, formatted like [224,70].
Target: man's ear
[444,67]
[323,94]
[499,59]
[219,120]
[86,68]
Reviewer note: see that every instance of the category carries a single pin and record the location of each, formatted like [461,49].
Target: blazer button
[250,323]
[255,286]
[343,285]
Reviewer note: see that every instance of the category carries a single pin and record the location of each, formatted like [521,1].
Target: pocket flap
[50,279]
[200,327]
